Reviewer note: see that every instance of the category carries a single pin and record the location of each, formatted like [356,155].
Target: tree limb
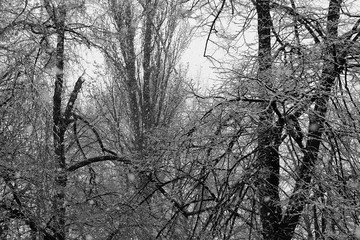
[78,117]
[73,97]
[89,161]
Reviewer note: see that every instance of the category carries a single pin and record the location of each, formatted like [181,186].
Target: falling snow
[58,71]
[313,127]
[89,237]
[131,177]
[17,175]
[357,232]
[29,129]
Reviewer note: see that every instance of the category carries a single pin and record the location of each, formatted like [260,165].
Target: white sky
[200,68]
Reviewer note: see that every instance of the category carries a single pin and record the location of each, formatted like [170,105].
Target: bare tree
[142,43]
[35,169]
[287,137]
[272,154]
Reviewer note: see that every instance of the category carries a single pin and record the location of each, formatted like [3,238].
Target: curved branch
[73,97]
[103,149]
[213,26]
[89,161]
[302,19]
[77,140]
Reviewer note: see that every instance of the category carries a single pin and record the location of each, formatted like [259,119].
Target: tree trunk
[276,225]
[58,221]
[333,65]
[59,129]
[268,156]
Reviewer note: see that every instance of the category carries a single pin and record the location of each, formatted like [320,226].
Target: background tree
[271,154]
[19,47]
[35,172]
[142,44]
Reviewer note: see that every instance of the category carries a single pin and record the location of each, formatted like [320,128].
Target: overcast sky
[200,68]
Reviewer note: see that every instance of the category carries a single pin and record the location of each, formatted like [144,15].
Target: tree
[276,223]
[17,108]
[142,43]
[36,167]
[288,110]
[271,154]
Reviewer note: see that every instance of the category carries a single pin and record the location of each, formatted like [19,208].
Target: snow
[44,94]
[89,237]
[17,175]
[314,127]
[131,177]
[58,71]
[357,232]
[29,129]
[354,184]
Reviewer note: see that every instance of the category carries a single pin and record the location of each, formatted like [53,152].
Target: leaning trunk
[332,67]
[275,224]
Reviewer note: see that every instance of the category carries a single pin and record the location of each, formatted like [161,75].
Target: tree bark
[59,129]
[333,65]
[276,225]
[268,156]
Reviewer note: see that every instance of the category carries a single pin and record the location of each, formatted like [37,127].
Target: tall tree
[284,114]
[142,43]
[272,154]
[277,224]
[35,174]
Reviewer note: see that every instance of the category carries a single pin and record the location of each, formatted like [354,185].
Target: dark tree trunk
[61,121]
[59,129]
[276,225]
[268,156]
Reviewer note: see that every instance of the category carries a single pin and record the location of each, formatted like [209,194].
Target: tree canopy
[125,146]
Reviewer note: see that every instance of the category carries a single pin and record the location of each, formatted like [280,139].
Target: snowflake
[29,129]
[131,177]
[357,232]
[89,237]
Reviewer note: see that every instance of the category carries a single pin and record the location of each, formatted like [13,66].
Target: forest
[104,135]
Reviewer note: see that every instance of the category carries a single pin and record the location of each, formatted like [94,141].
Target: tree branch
[103,149]
[307,24]
[89,161]
[213,26]
[73,97]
